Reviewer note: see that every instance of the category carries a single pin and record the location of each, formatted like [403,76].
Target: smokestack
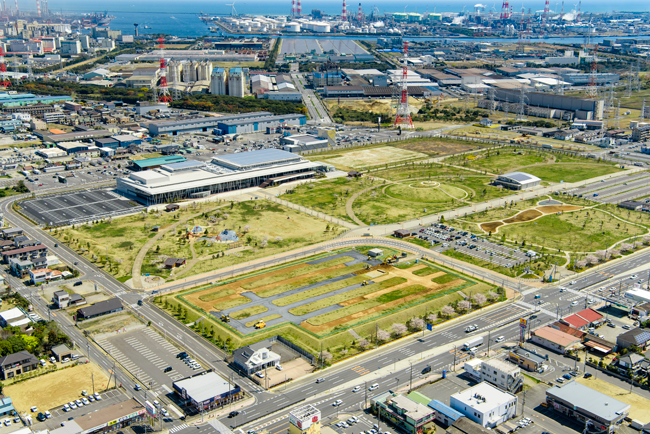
[299,8]
[359,12]
[344,13]
[38,7]
[293,8]
[136,30]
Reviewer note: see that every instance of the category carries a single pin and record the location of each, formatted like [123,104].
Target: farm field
[263,228]
[318,298]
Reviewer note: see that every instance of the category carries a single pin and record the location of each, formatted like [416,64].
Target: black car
[181,355]
[77,284]
[168,369]
[40,417]
[140,303]
[426,370]
[588,375]
[233,414]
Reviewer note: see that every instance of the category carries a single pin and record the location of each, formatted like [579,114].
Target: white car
[279,367]
[47,414]
[373,387]
[356,389]
[7,422]
[260,374]
[500,339]
[337,403]
[34,409]
[97,396]
[72,405]
[575,303]
[634,276]
[85,401]
[573,282]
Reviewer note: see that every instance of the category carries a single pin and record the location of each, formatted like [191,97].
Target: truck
[473,343]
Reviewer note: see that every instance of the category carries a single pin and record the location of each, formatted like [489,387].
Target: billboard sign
[523,323]
[151,409]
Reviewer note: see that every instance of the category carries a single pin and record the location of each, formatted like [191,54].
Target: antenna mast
[403,116]
[163,91]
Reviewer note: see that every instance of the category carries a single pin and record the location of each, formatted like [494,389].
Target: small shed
[402,233]
[174,262]
[375,252]
[60,352]
[354,174]
[172,207]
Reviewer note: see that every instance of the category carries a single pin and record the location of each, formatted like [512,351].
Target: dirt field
[374,157]
[640,406]
[491,227]
[61,386]
[291,370]
[432,147]
[552,209]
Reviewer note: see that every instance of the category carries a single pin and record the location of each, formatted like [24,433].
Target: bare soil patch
[436,148]
[491,226]
[524,216]
[552,209]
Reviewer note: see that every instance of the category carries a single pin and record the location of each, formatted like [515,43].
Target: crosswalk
[360,370]
[408,352]
[176,428]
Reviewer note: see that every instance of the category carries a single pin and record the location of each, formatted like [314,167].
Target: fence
[304,354]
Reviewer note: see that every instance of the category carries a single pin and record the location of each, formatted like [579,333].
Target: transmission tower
[521,112]
[163,91]
[506,109]
[637,81]
[618,114]
[559,87]
[30,73]
[592,90]
[3,70]
[403,116]
[643,113]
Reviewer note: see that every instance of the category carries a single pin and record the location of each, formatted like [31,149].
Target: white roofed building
[517,181]
[485,404]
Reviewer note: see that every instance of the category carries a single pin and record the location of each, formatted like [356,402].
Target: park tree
[416,323]
[399,329]
[382,335]
[432,318]
[479,299]
[447,311]
[464,305]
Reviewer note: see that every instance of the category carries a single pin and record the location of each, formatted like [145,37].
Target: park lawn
[480,186]
[501,160]
[304,269]
[415,191]
[336,299]
[282,227]
[501,213]
[325,275]
[580,231]
[328,196]
[217,294]
[265,319]
[368,304]
[441,280]
[230,303]
[571,172]
[419,171]
[640,218]
[425,271]
[323,289]
[249,311]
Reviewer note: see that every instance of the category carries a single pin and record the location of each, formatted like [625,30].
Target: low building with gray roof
[517,181]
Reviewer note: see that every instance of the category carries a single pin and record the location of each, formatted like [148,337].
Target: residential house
[25,253]
[77,300]
[16,364]
[635,337]
[172,207]
[256,357]
[631,361]
[101,308]
[44,275]
[444,413]
[6,406]
[527,359]
[409,416]
[11,233]
[598,345]
[402,233]
[61,299]
[11,316]
[60,352]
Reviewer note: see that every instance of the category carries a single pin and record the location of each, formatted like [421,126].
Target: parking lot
[108,398]
[147,355]
[444,237]
[67,208]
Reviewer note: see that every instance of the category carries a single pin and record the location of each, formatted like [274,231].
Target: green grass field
[249,311]
[296,273]
[310,280]
[323,289]
[419,191]
[571,172]
[579,231]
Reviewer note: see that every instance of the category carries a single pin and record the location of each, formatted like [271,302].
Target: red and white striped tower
[403,116]
[38,7]
[3,70]
[163,91]
[299,9]
[547,10]
[16,7]
[505,10]
[293,8]
[359,17]
[344,12]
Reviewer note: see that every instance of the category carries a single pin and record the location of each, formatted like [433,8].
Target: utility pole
[488,350]
[454,358]
[411,379]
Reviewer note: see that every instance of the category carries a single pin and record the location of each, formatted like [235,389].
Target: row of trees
[233,104]
[605,255]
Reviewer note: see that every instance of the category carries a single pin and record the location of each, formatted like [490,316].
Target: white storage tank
[292,27]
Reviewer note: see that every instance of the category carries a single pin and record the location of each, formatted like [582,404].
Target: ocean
[180,17]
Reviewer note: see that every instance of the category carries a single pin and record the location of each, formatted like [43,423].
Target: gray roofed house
[255,357]
[61,352]
[16,364]
[630,361]
[577,400]
[638,337]
[101,308]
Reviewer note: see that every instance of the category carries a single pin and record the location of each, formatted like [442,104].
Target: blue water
[180,17]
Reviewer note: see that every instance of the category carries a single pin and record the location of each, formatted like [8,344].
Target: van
[374,387]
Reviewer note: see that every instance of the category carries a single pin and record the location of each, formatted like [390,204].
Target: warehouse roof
[158,161]
[263,156]
[520,177]
[583,398]
[204,387]
[556,336]
[101,307]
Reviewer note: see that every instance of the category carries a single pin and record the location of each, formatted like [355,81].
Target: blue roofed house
[6,406]
[444,413]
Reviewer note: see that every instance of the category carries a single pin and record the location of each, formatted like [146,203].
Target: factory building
[579,108]
[218,81]
[236,82]
[194,179]
[257,121]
